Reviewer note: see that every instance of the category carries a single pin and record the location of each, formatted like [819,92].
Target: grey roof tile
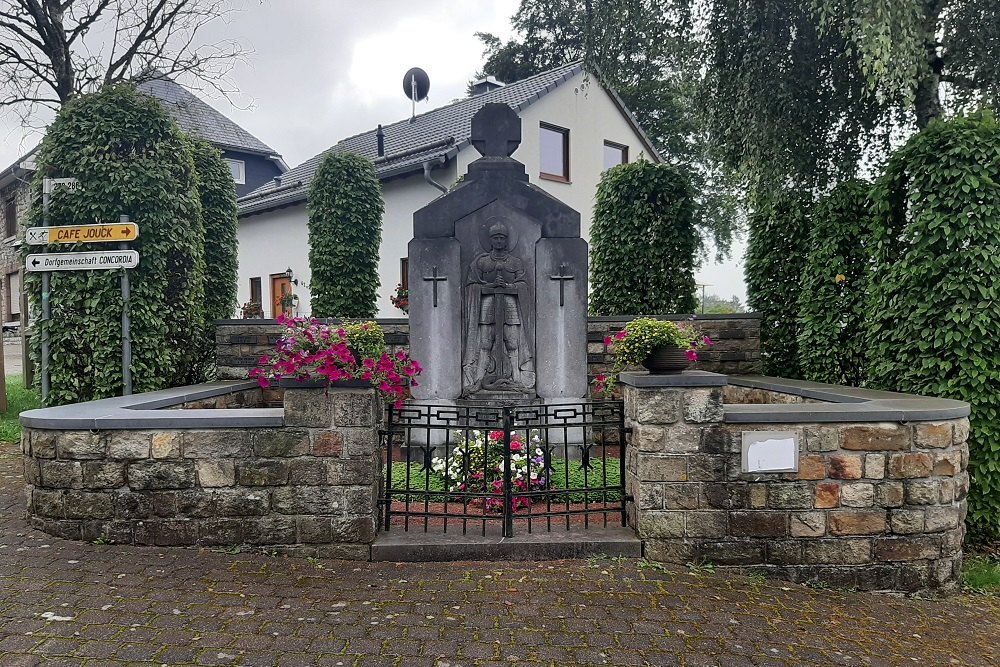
[201,120]
[404,137]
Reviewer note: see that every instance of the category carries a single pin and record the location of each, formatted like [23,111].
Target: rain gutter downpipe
[427,173]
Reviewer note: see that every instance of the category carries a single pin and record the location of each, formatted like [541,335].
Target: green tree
[935,304]
[797,93]
[831,308]
[776,255]
[345,230]
[130,158]
[218,212]
[713,304]
[643,242]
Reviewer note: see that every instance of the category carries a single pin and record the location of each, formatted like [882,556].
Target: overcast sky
[321,70]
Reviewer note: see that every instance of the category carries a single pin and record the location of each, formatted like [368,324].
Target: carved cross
[562,278]
[434,279]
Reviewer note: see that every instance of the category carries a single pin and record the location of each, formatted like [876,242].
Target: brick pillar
[676,452]
[343,426]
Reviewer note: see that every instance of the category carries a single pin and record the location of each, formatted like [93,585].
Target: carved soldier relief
[498,309]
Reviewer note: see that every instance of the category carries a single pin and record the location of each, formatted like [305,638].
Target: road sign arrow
[126,232]
[34,262]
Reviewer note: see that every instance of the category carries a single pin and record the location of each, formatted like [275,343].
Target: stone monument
[498,282]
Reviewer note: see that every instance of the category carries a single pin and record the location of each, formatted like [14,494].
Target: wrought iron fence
[489,467]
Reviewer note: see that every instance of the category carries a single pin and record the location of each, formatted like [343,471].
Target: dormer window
[238,169]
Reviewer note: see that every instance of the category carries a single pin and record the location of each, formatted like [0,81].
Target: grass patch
[982,575]
[577,479]
[19,399]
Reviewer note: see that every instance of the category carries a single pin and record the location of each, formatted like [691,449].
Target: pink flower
[607,341]
[708,341]
[620,335]
[691,355]
[601,377]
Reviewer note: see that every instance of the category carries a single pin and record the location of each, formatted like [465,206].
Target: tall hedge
[776,255]
[345,230]
[831,308]
[643,241]
[935,300]
[130,158]
[217,191]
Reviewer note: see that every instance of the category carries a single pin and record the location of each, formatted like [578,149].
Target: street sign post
[101,233]
[82,261]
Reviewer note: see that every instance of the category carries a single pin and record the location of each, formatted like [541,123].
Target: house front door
[281,295]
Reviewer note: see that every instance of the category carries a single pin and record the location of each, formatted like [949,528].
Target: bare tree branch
[51,50]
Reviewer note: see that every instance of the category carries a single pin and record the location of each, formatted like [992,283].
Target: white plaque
[82,261]
[770,451]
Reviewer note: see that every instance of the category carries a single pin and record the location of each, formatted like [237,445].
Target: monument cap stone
[496,130]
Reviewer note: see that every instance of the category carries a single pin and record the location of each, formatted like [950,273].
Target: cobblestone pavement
[68,603]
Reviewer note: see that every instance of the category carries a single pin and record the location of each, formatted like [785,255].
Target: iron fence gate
[496,467]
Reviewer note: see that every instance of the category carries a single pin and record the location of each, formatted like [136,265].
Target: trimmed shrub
[217,191]
[776,256]
[935,303]
[643,241]
[832,302]
[130,158]
[345,230]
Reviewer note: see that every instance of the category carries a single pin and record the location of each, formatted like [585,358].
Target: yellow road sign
[110,233]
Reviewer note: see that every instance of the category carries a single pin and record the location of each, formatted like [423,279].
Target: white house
[573,129]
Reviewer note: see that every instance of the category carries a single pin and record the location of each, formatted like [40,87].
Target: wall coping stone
[843,404]
[612,318]
[145,411]
[675,317]
[644,379]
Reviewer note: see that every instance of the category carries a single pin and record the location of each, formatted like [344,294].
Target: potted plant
[251,310]
[352,353]
[401,299]
[660,346]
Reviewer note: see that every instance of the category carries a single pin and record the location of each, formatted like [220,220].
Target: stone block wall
[308,488]
[239,344]
[873,506]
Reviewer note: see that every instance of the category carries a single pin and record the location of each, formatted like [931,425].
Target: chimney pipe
[380,138]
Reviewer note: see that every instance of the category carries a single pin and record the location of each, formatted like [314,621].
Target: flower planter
[665,360]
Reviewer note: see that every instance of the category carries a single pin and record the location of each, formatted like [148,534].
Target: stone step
[415,545]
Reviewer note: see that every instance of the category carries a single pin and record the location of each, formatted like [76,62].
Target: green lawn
[19,399]
[982,575]
[420,481]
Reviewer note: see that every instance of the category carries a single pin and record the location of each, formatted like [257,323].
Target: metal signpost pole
[44,369]
[126,327]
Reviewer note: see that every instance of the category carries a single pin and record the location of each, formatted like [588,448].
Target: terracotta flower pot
[666,359]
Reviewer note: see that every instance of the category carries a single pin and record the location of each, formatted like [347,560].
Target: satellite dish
[416,84]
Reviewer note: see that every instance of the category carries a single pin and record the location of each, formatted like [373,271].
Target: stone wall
[874,505]
[307,488]
[241,343]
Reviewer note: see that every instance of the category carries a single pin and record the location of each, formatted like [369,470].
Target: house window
[614,154]
[553,160]
[238,169]
[255,292]
[13,297]
[10,218]
[404,272]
